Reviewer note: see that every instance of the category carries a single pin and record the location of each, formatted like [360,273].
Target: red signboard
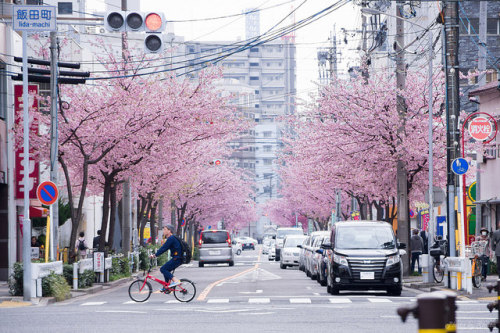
[480,128]
[34,168]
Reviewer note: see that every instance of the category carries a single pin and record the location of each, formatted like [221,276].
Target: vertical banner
[34,171]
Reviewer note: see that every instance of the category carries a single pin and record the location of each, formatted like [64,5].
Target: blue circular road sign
[47,193]
[459,166]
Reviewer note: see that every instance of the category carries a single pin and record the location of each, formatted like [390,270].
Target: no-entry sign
[480,128]
[47,193]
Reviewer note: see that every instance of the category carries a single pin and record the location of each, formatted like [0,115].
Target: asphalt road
[255,295]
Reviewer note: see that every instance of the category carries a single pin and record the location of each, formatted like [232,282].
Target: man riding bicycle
[175,247]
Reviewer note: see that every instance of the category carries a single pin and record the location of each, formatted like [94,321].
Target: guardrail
[41,270]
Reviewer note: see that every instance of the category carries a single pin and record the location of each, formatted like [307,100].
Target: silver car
[215,248]
[290,251]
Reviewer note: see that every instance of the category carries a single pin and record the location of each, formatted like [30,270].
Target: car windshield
[282,233]
[293,242]
[357,237]
[214,237]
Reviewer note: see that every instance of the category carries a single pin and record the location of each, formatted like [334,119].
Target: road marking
[252,292]
[300,300]
[92,303]
[218,300]
[121,311]
[172,301]
[340,300]
[205,292]
[379,300]
[256,313]
[259,300]
[133,302]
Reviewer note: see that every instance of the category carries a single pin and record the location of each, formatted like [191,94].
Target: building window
[268,161]
[268,149]
[254,49]
[65,8]
[268,134]
[256,92]
[492,26]
[254,64]
[191,49]
[254,78]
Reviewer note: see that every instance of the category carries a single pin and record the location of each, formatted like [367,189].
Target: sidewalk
[7,300]
[416,283]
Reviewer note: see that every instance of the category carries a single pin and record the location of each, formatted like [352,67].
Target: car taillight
[201,242]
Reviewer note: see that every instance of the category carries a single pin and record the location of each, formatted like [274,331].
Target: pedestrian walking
[425,238]
[416,248]
[81,246]
[484,243]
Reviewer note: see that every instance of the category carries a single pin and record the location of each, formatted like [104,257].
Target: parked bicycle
[140,290]
[474,253]
[437,250]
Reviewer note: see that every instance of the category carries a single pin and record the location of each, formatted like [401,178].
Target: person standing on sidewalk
[416,248]
[495,240]
[484,243]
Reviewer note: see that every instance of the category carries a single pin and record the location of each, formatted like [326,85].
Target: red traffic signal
[215,162]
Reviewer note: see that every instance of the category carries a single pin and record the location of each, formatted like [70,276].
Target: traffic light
[153,23]
[215,162]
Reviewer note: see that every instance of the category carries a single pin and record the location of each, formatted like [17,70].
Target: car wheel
[231,263]
[334,290]
[282,266]
[396,291]
[308,274]
[200,264]
[253,247]
[238,252]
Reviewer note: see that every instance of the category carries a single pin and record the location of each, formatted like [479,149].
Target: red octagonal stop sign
[480,128]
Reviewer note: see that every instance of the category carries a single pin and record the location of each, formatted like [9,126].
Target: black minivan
[364,255]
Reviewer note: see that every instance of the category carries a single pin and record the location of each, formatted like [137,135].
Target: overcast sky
[308,38]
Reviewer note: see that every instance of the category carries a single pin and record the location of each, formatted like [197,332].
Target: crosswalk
[291,300]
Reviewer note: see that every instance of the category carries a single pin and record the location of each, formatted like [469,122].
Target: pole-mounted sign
[480,128]
[47,193]
[34,18]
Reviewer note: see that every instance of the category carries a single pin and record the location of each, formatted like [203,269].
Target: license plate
[214,253]
[367,275]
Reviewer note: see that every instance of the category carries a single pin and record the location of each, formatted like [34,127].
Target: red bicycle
[140,290]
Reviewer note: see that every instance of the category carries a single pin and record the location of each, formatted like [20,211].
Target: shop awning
[38,211]
[492,201]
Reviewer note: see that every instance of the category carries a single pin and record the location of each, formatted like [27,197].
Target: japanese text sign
[34,18]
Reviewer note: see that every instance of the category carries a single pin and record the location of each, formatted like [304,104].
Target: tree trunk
[152,223]
[105,214]
[180,216]
[112,219]
[145,216]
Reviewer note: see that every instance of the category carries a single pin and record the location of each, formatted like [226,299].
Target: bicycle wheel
[140,290]
[438,273]
[186,291]
[476,272]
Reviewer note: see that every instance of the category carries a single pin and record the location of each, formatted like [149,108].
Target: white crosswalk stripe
[300,300]
[340,300]
[379,300]
[218,300]
[259,300]
[93,303]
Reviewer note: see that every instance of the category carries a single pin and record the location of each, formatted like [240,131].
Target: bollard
[494,305]
[451,320]
[75,276]
[431,312]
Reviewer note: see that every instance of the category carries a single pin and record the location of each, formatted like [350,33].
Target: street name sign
[480,128]
[34,18]
[47,193]
[460,166]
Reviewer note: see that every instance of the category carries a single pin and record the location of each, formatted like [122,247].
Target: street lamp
[431,163]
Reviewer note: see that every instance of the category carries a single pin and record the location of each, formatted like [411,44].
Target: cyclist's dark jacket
[173,245]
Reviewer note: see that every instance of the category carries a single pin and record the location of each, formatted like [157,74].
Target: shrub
[86,279]
[55,285]
[16,280]
[68,273]
[143,259]
[119,269]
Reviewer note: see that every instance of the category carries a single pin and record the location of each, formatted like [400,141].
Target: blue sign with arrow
[459,166]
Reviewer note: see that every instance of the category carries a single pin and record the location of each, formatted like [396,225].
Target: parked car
[302,255]
[215,247]
[290,252]
[322,263]
[364,255]
[315,257]
[310,251]
[247,242]
[280,236]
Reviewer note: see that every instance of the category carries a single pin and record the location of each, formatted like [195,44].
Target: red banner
[34,167]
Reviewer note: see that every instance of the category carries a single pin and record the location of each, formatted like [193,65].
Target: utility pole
[403,230]
[452,111]
[54,143]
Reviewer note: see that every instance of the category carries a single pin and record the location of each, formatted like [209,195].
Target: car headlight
[341,260]
[392,260]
